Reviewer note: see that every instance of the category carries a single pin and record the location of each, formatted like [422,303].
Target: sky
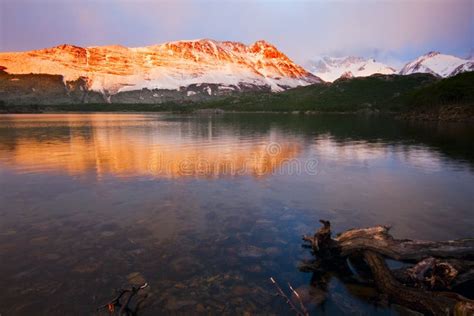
[392,31]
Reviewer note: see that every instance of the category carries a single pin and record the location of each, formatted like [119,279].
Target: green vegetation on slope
[450,99]
[378,92]
[382,92]
[450,91]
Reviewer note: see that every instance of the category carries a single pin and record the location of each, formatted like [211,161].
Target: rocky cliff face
[171,71]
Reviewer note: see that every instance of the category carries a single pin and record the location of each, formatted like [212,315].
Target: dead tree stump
[424,287]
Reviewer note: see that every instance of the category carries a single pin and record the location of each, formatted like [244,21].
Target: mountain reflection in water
[116,144]
[207,208]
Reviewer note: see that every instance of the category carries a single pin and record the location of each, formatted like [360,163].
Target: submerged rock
[185,266]
[309,295]
[272,251]
[87,267]
[174,304]
[200,308]
[240,290]
[107,233]
[251,252]
[255,268]
[136,278]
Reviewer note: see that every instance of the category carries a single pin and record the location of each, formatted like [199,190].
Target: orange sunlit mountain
[116,148]
[113,69]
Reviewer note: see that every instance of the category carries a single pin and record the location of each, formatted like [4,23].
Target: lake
[207,208]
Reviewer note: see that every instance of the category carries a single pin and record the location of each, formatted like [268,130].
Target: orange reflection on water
[127,145]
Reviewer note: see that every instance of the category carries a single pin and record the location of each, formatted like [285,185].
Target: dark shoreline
[445,113]
[451,113]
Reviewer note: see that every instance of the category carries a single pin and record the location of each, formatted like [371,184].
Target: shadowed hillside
[419,95]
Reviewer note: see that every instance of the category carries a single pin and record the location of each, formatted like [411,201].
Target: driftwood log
[426,286]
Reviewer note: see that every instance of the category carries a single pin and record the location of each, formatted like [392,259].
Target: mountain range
[332,68]
[191,70]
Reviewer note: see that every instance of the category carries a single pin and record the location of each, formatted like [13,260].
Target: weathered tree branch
[379,240]
[439,266]
[122,301]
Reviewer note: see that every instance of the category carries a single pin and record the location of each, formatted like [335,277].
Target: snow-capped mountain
[438,64]
[114,69]
[332,68]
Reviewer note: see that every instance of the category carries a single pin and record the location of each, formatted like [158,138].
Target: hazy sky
[391,31]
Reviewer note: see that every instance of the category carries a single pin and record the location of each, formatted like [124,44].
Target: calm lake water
[208,208]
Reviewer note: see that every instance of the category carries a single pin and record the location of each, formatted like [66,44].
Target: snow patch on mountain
[333,68]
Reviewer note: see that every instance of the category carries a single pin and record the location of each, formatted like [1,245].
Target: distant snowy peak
[332,68]
[438,64]
[114,69]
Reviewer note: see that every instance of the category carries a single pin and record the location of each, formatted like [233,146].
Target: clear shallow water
[207,208]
